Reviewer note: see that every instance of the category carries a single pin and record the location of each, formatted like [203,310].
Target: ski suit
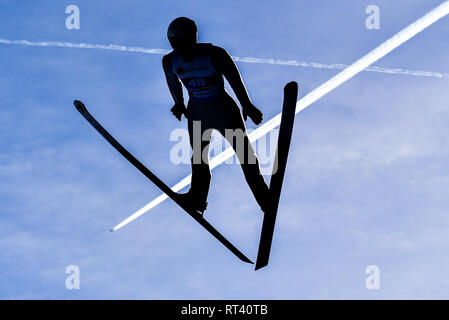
[210,107]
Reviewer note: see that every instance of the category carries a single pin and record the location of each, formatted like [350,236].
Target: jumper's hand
[251,111]
[178,110]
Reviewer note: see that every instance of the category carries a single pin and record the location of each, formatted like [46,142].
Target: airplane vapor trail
[294,63]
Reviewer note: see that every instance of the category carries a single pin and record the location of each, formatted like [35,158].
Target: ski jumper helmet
[182,33]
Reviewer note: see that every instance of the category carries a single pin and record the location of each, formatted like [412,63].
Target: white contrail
[239,59]
[83,46]
[358,66]
[342,66]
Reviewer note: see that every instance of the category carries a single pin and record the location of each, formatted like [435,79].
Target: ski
[158,182]
[285,135]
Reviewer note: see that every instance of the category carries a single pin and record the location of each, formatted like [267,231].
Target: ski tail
[277,178]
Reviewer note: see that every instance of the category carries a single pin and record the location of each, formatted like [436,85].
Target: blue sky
[367,180]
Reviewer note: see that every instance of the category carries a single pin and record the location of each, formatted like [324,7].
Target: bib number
[195,83]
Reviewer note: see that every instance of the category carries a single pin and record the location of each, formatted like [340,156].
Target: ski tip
[111,230]
[79,105]
[292,85]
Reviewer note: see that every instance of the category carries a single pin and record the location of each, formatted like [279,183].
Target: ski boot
[191,202]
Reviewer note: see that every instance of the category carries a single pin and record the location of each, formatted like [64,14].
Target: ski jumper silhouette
[202,67]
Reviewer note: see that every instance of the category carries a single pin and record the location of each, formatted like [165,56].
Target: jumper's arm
[173,82]
[223,62]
